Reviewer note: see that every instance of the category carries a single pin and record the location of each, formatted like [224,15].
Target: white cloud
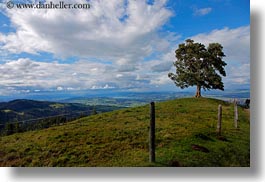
[162,67]
[26,74]
[118,34]
[236,44]
[109,30]
[30,75]
[202,11]
[102,87]
[239,74]
[60,88]
[161,80]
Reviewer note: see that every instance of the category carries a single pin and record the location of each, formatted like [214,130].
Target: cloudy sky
[116,44]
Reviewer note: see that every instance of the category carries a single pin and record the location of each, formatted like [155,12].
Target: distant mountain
[133,99]
[23,110]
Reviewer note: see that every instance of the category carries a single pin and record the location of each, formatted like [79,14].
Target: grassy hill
[24,110]
[120,138]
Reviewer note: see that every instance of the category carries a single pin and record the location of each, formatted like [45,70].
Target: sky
[120,45]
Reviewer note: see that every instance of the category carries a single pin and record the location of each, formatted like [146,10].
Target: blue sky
[117,44]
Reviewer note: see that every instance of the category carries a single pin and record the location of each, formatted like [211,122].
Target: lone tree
[199,66]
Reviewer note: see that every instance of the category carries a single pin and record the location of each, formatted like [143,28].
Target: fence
[152,129]
[152,126]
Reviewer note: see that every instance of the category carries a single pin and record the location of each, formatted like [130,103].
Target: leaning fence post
[219,123]
[235,114]
[152,133]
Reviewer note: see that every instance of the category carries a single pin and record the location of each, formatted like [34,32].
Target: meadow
[185,137]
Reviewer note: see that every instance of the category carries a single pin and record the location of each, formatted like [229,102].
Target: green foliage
[199,66]
[10,128]
[24,110]
[120,138]
[94,111]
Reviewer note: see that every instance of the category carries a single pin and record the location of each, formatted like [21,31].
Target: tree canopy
[199,66]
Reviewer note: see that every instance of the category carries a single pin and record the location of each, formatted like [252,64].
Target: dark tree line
[18,127]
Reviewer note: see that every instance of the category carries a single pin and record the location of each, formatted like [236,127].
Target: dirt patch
[2,154]
[174,163]
[200,148]
[222,138]
[203,137]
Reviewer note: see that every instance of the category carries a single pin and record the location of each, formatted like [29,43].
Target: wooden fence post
[235,114]
[152,133]
[219,123]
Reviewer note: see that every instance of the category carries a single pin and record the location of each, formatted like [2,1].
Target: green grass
[7,110]
[57,106]
[120,138]
[10,111]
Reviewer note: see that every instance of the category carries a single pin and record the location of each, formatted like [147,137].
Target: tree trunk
[198,92]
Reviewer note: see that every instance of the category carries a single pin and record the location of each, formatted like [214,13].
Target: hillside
[23,110]
[120,138]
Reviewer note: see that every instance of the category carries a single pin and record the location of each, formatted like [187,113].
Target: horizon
[116,46]
[66,96]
